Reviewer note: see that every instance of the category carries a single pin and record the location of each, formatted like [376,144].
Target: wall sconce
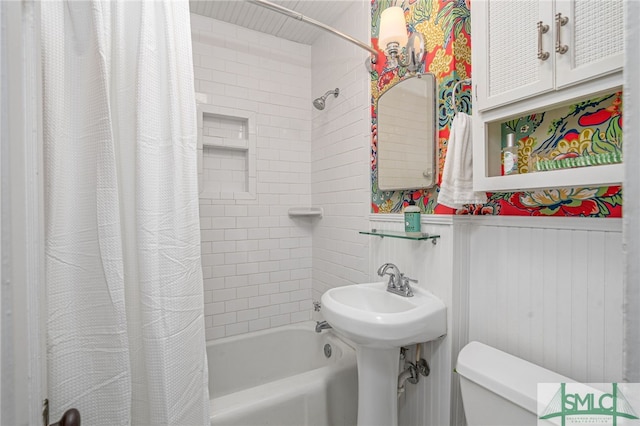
[393,38]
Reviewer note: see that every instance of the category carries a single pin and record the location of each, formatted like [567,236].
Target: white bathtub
[282,377]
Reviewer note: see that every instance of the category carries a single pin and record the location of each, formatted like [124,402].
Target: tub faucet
[322,325]
[398,283]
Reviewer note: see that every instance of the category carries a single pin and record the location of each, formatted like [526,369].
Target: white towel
[456,188]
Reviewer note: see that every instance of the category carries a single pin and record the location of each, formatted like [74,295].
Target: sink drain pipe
[412,371]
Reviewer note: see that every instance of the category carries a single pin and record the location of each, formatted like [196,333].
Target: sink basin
[371,316]
[379,323]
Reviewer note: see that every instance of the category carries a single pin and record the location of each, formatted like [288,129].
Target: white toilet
[498,388]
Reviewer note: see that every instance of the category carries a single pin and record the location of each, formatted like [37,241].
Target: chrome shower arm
[334,92]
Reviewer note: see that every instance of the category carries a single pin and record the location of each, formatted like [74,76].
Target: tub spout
[322,325]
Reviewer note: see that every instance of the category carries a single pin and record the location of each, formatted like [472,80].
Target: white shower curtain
[125,333]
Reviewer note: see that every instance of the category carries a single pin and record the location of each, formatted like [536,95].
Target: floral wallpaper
[584,132]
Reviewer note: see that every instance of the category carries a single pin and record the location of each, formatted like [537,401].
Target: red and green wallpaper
[578,135]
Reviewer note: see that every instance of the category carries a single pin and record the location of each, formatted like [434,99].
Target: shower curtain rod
[300,17]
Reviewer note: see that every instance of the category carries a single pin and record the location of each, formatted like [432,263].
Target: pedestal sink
[379,323]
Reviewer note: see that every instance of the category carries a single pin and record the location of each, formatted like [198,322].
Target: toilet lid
[512,378]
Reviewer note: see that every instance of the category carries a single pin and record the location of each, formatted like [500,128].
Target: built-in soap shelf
[306,212]
[396,234]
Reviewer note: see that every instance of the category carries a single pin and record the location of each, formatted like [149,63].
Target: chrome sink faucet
[398,283]
[394,275]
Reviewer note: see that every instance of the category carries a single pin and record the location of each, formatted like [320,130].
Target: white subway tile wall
[256,260]
[340,153]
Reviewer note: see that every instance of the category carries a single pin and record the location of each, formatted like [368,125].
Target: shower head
[319,102]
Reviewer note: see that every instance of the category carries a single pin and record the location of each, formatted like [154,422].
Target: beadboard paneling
[548,290]
[550,296]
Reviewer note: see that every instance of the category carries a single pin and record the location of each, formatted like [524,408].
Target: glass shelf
[396,234]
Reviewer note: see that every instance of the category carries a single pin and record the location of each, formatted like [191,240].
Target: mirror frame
[428,119]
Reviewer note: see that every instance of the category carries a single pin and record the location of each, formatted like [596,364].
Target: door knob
[71,417]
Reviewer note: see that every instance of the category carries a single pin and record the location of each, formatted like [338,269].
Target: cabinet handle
[542,29]
[560,22]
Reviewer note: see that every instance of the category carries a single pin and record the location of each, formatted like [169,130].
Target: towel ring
[453,94]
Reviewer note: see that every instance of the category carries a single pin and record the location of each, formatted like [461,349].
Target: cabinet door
[593,36]
[506,67]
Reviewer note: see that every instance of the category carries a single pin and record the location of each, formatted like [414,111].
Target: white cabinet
[527,47]
[528,58]
[593,38]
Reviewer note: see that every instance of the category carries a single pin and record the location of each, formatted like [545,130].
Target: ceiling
[258,18]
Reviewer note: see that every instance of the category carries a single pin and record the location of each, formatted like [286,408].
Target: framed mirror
[407,134]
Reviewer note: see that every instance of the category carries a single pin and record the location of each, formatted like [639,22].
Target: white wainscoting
[550,291]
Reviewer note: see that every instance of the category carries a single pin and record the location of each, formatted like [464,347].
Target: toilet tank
[499,388]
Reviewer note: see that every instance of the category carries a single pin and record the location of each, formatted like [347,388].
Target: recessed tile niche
[224,169]
[226,153]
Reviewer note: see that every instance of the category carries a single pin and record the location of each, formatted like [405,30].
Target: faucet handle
[404,285]
[406,280]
